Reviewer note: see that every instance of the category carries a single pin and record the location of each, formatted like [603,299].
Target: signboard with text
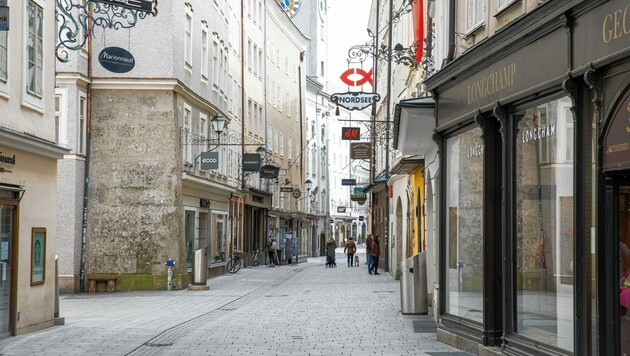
[341,209]
[350,133]
[355,100]
[358,197]
[4,18]
[251,162]
[360,150]
[349,181]
[140,5]
[209,160]
[286,189]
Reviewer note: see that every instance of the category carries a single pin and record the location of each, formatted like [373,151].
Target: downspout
[373,129]
[86,171]
[451,31]
[242,92]
[301,116]
[389,109]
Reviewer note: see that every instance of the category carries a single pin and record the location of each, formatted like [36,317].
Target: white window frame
[269,138]
[290,148]
[275,141]
[203,131]
[281,138]
[37,63]
[503,4]
[61,117]
[215,63]
[475,12]
[4,56]
[81,123]
[250,115]
[256,59]
[249,54]
[261,125]
[188,31]
[260,63]
[187,124]
[205,62]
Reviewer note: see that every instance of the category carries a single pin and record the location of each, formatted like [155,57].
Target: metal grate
[423,326]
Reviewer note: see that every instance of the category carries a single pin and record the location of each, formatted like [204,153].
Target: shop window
[464,222]
[189,235]
[218,238]
[34,51]
[544,225]
[4,45]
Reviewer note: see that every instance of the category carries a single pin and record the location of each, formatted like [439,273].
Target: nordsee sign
[355,100]
[116,59]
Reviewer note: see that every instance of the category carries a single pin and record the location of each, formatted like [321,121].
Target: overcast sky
[347,24]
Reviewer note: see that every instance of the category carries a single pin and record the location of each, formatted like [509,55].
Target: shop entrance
[623,237]
[8,218]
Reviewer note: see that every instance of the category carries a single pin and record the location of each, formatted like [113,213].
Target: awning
[407,165]
[414,123]
[17,190]
[379,184]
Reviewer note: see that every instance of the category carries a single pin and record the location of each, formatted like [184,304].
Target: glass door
[6,232]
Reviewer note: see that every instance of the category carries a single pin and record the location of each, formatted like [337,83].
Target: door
[7,226]
[623,237]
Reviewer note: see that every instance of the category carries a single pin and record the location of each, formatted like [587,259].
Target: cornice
[68,78]
[32,144]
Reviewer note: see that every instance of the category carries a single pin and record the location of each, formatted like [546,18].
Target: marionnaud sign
[355,100]
[140,5]
[4,18]
[209,160]
[116,59]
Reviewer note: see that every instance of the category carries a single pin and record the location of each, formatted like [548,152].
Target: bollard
[169,265]
[56,312]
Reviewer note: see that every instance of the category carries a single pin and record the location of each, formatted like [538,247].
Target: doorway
[8,225]
[623,241]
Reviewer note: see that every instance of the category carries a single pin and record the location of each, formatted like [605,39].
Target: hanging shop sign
[282,172]
[358,190]
[116,59]
[355,100]
[4,18]
[341,209]
[140,5]
[349,181]
[350,133]
[251,162]
[358,197]
[360,150]
[286,189]
[359,77]
[297,193]
[361,217]
[269,171]
[209,160]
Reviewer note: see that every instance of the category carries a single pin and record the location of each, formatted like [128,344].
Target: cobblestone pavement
[287,310]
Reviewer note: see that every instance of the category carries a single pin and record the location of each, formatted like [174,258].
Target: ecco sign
[209,160]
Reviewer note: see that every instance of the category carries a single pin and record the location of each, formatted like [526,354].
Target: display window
[464,225]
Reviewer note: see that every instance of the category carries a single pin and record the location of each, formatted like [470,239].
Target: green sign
[358,190]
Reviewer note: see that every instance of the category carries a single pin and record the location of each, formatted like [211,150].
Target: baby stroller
[330,261]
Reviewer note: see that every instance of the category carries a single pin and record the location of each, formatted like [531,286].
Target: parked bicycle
[256,258]
[234,265]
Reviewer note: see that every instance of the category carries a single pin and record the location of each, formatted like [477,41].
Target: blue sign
[116,59]
[349,181]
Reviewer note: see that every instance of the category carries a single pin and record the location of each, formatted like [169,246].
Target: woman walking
[375,251]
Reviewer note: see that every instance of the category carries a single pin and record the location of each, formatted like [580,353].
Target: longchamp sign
[355,100]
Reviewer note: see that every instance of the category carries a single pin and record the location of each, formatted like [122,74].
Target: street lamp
[218,124]
[308,185]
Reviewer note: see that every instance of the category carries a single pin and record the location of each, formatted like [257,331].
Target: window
[188,39]
[57,116]
[321,73]
[275,141]
[260,12]
[474,13]
[34,49]
[203,131]
[255,127]
[464,225]
[290,147]
[279,91]
[250,115]
[269,141]
[4,46]
[268,91]
[204,51]
[281,143]
[61,117]
[545,260]
[249,54]
[261,125]
[256,59]
[502,4]
[187,150]
[82,123]
[260,63]
[215,62]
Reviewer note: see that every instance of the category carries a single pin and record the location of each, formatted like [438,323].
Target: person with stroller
[331,245]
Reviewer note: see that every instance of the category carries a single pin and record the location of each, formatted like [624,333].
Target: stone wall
[135,220]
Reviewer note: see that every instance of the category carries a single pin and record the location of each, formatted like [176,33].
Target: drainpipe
[451,31]
[82,275]
[242,91]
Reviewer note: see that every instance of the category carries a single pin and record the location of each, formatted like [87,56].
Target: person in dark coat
[368,252]
[350,249]
[331,245]
[375,250]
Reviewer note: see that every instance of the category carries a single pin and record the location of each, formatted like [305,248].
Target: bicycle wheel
[234,265]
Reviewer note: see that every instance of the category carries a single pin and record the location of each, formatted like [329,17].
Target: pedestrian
[368,252]
[350,249]
[331,245]
[375,250]
[271,251]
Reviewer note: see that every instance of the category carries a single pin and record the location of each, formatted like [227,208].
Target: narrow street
[288,310]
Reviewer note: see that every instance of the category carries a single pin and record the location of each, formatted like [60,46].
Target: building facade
[28,168]
[533,156]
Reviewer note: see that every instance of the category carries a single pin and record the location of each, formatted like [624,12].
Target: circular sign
[296,193]
[291,7]
[116,59]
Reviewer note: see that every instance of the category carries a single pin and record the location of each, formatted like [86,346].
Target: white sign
[355,100]
[282,172]
[4,17]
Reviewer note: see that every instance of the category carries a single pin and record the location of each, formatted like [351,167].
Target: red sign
[418,27]
[350,133]
[364,77]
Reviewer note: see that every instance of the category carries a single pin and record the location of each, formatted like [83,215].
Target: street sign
[341,209]
[349,181]
[286,189]
[209,160]
[360,150]
[4,18]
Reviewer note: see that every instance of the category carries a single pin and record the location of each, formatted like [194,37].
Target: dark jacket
[368,243]
[331,245]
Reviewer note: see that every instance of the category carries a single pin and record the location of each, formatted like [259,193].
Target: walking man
[350,249]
